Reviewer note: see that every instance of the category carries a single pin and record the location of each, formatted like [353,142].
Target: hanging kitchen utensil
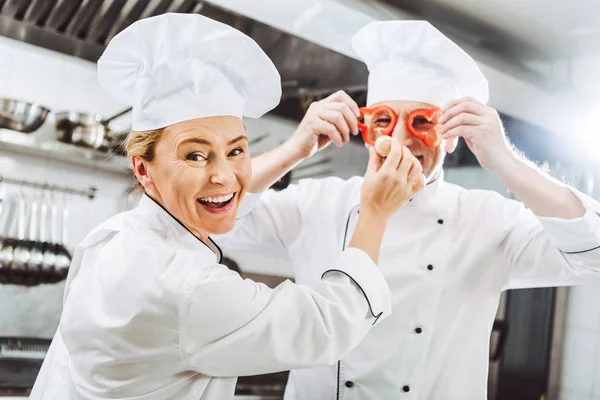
[47,259]
[6,241]
[50,248]
[63,257]
[21,116]
[86,130]
[36,258]
[21,253]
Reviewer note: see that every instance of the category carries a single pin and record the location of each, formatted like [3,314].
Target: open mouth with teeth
[217,204]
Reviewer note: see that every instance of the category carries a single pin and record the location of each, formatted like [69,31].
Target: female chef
[149,313]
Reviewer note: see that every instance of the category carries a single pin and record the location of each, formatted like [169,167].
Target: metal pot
[87,130]
[21,116]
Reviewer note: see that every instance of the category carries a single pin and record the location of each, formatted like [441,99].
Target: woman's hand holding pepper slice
[480,126]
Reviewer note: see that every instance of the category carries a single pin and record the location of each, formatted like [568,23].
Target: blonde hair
[142,144]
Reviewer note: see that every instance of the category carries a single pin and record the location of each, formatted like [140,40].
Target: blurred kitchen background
[62,171]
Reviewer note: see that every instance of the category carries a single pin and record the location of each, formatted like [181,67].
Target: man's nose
[402,134]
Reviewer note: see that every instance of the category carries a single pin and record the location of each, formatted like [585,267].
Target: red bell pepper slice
[386,130]
[423,124]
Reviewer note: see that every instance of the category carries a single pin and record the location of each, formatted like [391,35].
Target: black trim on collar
[220,255]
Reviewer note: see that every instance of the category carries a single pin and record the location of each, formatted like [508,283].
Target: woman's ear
[140,169]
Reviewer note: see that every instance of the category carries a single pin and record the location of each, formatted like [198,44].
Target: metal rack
[90,193]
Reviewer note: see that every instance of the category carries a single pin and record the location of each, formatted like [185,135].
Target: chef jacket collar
[166,222]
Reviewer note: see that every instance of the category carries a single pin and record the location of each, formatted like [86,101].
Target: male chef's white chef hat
[177,67]
[412,60]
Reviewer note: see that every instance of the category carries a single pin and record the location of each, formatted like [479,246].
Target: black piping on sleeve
[361,289]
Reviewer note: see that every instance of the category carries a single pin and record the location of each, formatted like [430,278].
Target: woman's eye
[195,157]
[236,152]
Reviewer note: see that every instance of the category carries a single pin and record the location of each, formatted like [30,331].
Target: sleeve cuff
[247,204]
[359,267]
[579,234]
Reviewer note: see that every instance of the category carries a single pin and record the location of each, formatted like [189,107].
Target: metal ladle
[50,251]
[37,247]
[63,257]
[6,242]
[21,253]
[48,256]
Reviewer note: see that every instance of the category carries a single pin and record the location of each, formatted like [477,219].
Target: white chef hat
[412,60]
[177,67]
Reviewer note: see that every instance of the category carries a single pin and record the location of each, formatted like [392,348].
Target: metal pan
[87,130]
[21,116]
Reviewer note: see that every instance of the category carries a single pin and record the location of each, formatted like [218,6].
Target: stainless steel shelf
[63,153]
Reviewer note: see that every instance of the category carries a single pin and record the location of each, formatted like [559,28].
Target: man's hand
[390,182]
[480,126]
[332,119]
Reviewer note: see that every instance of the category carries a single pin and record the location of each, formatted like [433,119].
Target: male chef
[450,252]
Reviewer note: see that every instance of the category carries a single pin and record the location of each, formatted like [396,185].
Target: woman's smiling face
[200,173]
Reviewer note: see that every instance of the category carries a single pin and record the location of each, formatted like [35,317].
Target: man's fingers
[462,106]
[460,119]
[464,131]
[415,170]
[374,159]
[393,158]
[419,183]
[406,163]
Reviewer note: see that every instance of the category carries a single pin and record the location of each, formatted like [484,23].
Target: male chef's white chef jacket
[447,255]
[150,314]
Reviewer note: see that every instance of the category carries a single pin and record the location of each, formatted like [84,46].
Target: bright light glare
[590,134]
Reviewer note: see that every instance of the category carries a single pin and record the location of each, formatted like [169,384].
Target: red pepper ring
[383,131]
[423,124]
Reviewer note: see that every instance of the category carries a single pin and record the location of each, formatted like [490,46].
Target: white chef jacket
[150,314]
[447,255]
